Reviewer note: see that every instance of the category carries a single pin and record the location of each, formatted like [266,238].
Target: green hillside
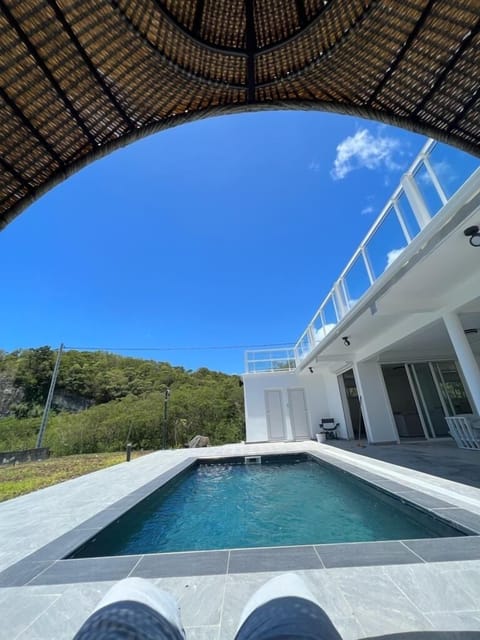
[101,399]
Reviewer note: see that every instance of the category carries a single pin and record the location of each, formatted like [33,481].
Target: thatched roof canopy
[82,77]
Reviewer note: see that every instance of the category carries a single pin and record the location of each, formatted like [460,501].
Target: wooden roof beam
[28,124]
[91,67]
[18,176]
[197,20]
[48,74]
[466,108]
[192,34]
[251,38]
[448,67]
[403,49]
[302,14]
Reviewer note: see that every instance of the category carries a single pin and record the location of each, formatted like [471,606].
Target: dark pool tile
[63,545]
[461,517]
[446,549]
[153,485]
[364,554]
[123,504]
[21,573]
[274,559]
[195,563]
[100,520]
[372,478]
[423,499]
[87,570]
[142,492]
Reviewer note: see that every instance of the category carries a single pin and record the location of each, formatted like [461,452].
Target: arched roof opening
[80,78]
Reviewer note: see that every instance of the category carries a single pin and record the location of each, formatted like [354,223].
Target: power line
[195,348]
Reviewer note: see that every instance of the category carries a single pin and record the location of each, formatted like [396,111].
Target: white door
[298,414]
[274,413]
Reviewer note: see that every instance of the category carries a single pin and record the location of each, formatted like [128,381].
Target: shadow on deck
[437,457]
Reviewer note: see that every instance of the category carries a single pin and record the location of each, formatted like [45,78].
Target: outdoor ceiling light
[474,234]
[346,341]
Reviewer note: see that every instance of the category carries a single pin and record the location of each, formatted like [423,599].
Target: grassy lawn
[29,476]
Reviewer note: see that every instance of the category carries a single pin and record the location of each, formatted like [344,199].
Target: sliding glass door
[403,401]
[422,394]
[451,387]
[432,407]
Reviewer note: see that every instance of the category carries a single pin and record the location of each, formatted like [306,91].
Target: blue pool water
[218,506]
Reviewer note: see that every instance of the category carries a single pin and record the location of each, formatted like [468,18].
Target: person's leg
[134,609]
[285,608]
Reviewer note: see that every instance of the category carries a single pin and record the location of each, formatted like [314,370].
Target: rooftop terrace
[429,192]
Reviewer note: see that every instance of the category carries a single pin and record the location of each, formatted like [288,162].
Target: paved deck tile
[274,559]
[365,554]
[182,564]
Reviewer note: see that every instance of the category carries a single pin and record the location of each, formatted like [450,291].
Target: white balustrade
[406,213]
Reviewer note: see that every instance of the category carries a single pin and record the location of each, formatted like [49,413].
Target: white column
[376,408]
[465,357]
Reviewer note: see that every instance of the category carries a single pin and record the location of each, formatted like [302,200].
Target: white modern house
[394,347]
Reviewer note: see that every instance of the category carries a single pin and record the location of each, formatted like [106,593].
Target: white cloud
[393,255]
[443,170]
[367,210]
[365,150]
[323,331]
[314,166]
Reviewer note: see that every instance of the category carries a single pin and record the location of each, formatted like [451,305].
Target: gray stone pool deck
[366,588]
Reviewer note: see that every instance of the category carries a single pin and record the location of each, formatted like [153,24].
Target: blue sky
[226,231]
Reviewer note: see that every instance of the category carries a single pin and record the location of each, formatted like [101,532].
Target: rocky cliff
[10,395]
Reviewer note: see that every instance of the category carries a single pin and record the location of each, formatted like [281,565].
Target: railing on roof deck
[265,360]
[436,174]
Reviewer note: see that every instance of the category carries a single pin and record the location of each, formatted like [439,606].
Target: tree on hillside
[34,372]
[125,396]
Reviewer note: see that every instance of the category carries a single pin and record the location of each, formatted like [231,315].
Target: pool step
[253,459]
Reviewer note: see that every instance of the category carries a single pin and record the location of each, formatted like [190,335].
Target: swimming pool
[283,501]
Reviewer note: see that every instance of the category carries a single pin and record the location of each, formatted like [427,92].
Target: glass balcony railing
[265,360]
[434,177]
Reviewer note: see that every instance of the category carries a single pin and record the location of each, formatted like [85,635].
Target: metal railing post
[416,200]
[435,181]
[401,221]
[368,266]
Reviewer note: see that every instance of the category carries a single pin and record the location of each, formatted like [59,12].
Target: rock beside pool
[199,441]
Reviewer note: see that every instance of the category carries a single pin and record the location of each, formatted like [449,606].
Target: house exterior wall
[322,397]
[416,310]
[254,387]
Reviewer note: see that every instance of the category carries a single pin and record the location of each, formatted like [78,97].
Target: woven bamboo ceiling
[82,77]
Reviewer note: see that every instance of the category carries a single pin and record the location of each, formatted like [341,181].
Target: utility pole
[165,416]
[46,410]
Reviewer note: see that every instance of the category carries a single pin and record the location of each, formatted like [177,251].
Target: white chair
[465,430]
